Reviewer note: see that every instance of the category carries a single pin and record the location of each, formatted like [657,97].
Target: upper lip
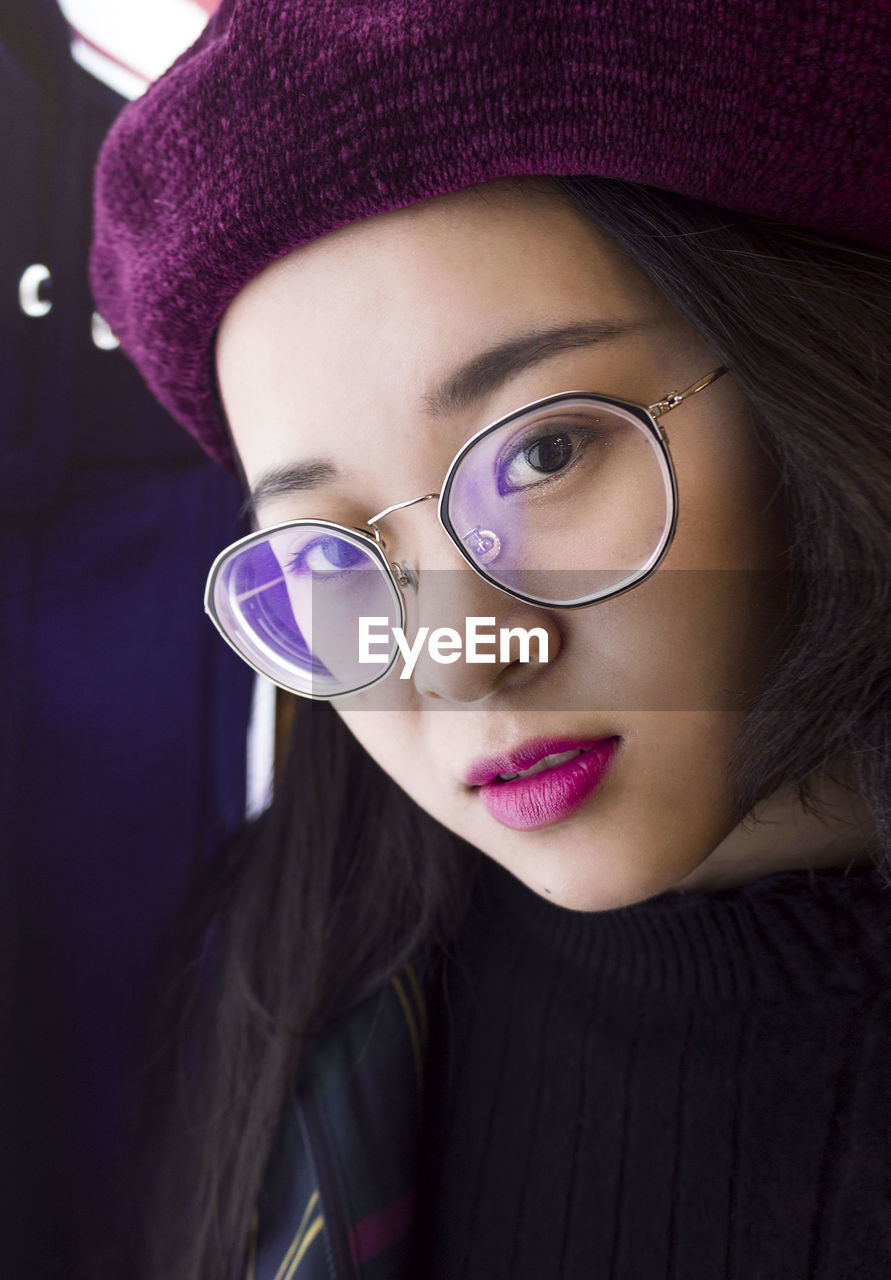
[484,770]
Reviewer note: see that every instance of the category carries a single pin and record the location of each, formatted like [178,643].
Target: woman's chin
[598,876]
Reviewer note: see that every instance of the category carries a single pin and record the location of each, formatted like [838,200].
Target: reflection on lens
[290,602]
[484,545]
[566,503]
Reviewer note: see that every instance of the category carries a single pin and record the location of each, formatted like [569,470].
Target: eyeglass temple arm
[674,398]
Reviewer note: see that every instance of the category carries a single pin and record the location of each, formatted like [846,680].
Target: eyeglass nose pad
[404,574]
[485,545]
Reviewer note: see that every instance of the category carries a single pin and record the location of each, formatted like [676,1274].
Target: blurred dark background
[122,715]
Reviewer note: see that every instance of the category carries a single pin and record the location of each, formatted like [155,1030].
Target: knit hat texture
[288,118]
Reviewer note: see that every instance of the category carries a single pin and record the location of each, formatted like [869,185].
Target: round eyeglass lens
[290,600]
[565,503]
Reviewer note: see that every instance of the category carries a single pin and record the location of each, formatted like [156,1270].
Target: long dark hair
[323,897]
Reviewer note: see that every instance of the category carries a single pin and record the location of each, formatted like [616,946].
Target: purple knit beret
[289,118]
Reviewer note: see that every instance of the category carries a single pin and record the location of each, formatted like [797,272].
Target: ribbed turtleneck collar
[792,932]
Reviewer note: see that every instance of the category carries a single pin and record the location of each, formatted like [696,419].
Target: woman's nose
[477,638]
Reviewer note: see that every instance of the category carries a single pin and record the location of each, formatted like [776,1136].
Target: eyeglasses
[565,502]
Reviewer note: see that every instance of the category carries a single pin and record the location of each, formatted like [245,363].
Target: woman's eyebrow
[291,478]
[464,386]
[486,372]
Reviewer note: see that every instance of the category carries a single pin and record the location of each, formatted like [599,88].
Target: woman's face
[334,356]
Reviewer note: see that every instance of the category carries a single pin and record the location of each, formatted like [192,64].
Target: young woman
[568,956]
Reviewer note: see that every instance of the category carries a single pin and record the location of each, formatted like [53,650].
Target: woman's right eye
[326,557]
[542,455]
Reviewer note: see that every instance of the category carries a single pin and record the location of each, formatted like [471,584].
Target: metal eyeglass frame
[401,575]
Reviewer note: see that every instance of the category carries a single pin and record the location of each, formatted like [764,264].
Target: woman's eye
[535,459]
[326,557]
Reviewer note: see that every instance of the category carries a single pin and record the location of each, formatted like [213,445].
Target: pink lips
[525,804]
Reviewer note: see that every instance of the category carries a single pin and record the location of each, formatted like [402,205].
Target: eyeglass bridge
[397,506]
[404,574]
[484,543]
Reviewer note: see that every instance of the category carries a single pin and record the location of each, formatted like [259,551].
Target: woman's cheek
[686,640]
[395,740]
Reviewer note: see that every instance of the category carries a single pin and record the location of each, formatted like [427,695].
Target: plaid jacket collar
[338,1198]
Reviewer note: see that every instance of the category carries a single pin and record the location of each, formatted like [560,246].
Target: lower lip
[525,804]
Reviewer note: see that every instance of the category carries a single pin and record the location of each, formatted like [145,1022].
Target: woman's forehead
[362,344]
[383,311]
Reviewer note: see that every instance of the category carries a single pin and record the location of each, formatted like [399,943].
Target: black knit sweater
[697,1086]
